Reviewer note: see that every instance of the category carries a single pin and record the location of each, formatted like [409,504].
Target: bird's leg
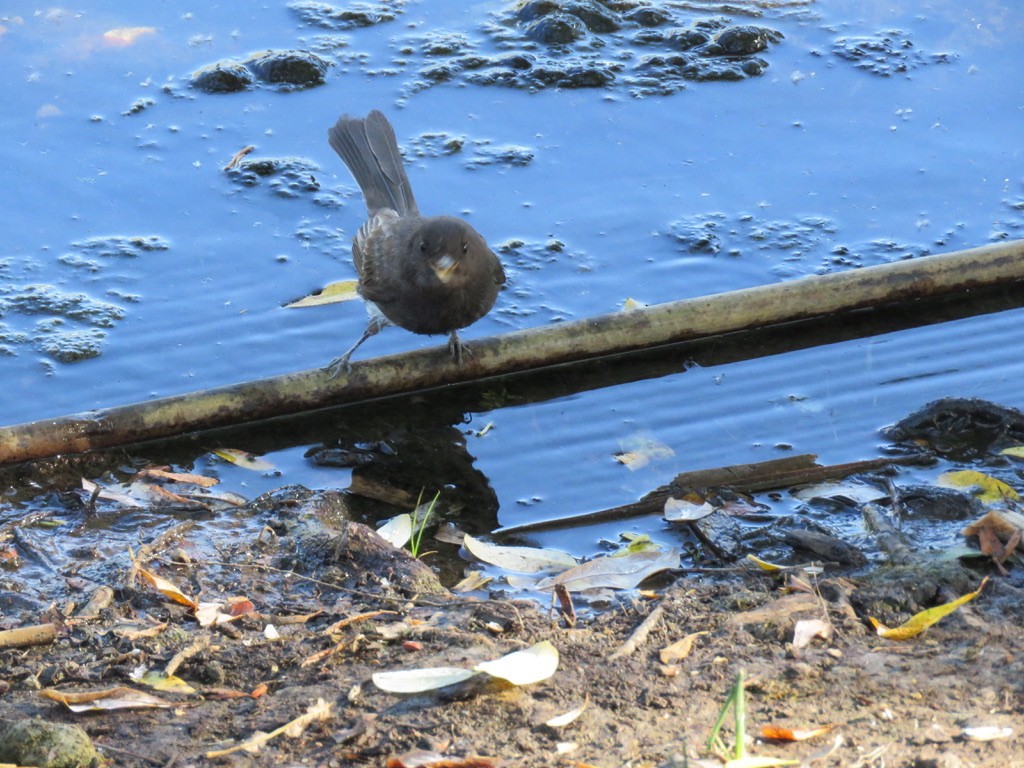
[340,364]
[457,348]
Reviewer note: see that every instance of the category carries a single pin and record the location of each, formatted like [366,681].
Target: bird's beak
[444,267]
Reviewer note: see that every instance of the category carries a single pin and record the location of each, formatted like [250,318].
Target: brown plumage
[427,274]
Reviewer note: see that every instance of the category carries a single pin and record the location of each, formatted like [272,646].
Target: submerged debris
[886,53]
[285,176]
[960,428]
[285,68]
[590,44]
[350,17]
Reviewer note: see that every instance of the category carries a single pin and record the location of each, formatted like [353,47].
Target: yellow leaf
[988,487]
[1017,451]
[243,459]
[637,543]
[919,622]
[166,587]
[161,682]
[640,450]
[765,565]
[332,293]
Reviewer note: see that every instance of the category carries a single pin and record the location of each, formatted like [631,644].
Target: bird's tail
[369,149]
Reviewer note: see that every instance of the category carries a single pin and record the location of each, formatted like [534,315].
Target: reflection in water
[412,453]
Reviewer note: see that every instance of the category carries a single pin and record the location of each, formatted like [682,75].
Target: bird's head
[449,245]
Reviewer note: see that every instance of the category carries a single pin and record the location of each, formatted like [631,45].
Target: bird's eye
[465,248]
[423,247]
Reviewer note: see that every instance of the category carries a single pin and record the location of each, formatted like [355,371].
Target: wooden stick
[617,333]
[21,637]
[745,478]
[640,634]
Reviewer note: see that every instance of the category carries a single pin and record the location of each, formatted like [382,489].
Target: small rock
[222,77]
[556,29]
[298,68]
[746,40]
[47,745]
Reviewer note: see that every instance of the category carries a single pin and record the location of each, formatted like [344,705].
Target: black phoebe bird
[427,274]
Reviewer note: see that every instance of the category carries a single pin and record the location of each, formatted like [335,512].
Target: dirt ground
[891,703]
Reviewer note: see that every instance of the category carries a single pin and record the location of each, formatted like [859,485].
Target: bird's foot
[459,350]
[339,365]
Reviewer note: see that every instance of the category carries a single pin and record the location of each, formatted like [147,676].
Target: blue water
[925,161]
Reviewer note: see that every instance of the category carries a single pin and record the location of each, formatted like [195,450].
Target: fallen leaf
[638,542]
[472,581]
[121,697]
[779,733]
[778,610]
[160,681]
[680,649]
[919,622]
[1003,523]
[518,559]
[986,733]
[986,487]
[332,293]
[243,459]
[614,572]
[101,492]
[397,531]
[420,680]
[530,665]
[683,511]
[210,614]
[560,721]
[857,493]
[640,450]
[523,583]
[421,758]
[165,587]
[808,629]
[992,547]
[765,565]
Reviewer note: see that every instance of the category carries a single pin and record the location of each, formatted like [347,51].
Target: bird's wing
[367,248]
